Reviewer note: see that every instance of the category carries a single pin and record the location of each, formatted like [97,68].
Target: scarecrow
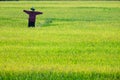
[32,16]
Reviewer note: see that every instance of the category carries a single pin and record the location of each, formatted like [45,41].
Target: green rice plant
[47,22]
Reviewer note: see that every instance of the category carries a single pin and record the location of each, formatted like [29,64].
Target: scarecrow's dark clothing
[31,24]
[32,17]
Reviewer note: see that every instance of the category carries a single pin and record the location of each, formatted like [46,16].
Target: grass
[71,41]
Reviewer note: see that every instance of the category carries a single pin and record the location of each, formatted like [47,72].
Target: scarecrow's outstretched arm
[26,11]
[38,13]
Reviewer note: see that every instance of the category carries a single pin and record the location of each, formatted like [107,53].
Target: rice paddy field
[72,40]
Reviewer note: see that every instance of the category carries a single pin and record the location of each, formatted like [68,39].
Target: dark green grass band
[58,76]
